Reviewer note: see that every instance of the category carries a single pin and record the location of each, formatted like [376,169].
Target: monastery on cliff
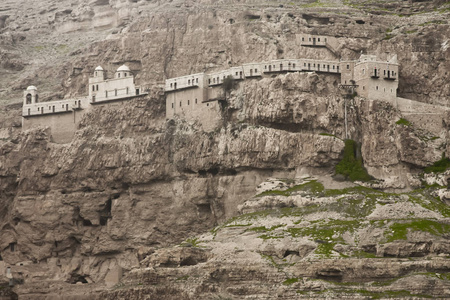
[196,97]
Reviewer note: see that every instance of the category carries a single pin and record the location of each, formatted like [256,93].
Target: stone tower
[30,95]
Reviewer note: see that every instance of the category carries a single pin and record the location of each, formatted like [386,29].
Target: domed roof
[123,68]
[99,68]
[31,88]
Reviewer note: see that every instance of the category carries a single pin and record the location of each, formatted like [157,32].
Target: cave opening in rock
[188,261]
[290,252]
[75,278]
[105,214]
[86,222]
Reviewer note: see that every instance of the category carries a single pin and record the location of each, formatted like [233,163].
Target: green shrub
[403,122]
[350,166]
[228,84]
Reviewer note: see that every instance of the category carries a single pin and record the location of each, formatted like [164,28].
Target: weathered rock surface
[131,185]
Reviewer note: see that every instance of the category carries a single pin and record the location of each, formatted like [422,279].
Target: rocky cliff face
[131,182]
[159,40]
[131,185]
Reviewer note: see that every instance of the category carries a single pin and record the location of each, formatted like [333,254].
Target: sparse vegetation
[400,230]
[191,242]
[403,122]
[440,166]
[290,281]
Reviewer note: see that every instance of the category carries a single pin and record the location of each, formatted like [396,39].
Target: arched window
[256,71]
[115,92]
[97,87]
[106,94]
[195,100]
[36,98]
[29,111]
[124,74]
[281,67]
[67,107]
[196,80]
[93,88]
[95,74]
[180,103]
[189,102]
[28,98]
[189,82]
[118,75]
[127,90]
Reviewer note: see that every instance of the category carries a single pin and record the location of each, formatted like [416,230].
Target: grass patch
[440,166]
[403,122]
[290,281]
[352,190]
[264,228]
[400,230]
[323,234]
[351,165]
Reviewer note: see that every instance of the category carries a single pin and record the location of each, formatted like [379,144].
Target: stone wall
[62,125]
